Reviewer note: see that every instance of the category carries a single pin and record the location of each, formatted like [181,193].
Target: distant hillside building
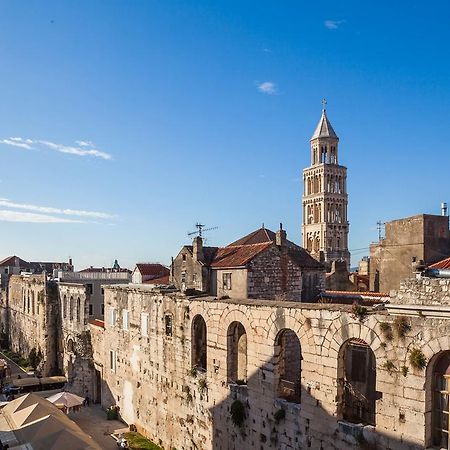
[421,239]
[325,225]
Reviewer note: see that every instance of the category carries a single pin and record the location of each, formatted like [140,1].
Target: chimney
[197,248]
[281,237]
[70,262]
[444,209]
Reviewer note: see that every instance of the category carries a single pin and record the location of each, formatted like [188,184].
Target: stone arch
[237,353]
[70,345]
[287,365]
[199,343]
[233,315]
[437,390]
[356,382]
[304,333]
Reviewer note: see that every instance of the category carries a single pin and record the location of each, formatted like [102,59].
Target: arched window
[198,342]
[440,386]
[168,324]
[356,382]
[71,308]
[64,307]
[237,353]
[70,346]
[288,360]
[78,309]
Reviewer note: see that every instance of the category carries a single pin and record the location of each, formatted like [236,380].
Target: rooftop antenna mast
[380,229]
[201,229]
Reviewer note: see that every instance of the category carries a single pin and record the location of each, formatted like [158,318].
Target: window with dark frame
[226,281]
[168,324]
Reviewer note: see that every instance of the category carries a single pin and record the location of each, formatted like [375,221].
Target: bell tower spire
[325,226]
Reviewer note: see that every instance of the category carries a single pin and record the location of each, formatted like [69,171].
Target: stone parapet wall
[153,382]
[423,291]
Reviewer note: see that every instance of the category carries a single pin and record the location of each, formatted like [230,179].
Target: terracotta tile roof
[159,280]
[151,269]
[97,323]
[238,255]
[356,293]
[259,236]
[444,264]
[349,297]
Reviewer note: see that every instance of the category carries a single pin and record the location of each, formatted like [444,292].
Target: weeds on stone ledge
[237,412]
[359,312]
[386,329]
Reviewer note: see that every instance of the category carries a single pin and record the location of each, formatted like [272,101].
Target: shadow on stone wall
[274,423]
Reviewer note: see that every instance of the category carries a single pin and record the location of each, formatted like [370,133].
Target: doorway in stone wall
[98,387]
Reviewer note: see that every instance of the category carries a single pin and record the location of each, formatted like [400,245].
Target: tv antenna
[380,225]
[201,229]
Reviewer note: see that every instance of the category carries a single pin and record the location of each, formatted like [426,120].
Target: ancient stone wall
[150,375]
[75,341]
[33,319]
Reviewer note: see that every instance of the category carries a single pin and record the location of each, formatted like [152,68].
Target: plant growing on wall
[386,329]
[389,366]
[202,385]
[34,358]
[279,415]
[359,312]
[237,412]
[417,359]
[401,326]
[404,370]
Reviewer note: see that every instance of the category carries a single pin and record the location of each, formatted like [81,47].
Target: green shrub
[279,415]
[401,326]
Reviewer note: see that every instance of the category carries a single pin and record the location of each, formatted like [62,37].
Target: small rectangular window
[103,291]
[125,319]
[168,324]
[91,309]
[90,288]
[226,279]
[103,309]
[112,316]
[112,361]
[144,324]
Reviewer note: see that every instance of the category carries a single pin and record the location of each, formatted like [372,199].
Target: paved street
[92,420]
[15,369]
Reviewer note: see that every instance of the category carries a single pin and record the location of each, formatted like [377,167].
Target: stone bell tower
[325,225]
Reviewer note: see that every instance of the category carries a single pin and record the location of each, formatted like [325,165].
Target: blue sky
[132,120]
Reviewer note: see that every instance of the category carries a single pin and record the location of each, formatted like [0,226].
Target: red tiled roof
[238,255]
[159,280]
[152,269]
[260,236]
[444,264]
[97,323]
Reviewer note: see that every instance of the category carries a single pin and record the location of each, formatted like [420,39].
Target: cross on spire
[324,104]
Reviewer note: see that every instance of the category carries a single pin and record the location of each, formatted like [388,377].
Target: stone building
[150,272]
[74,339]
[95,278]
[191,269]
[262,264]
[422,239]
[325,225]
[203,373]
[33,319]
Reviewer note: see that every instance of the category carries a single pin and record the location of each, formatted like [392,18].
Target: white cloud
[85,143]
[28,217]
[268,87]
[50,210]
[333,24]
[15,143]
[83,148]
